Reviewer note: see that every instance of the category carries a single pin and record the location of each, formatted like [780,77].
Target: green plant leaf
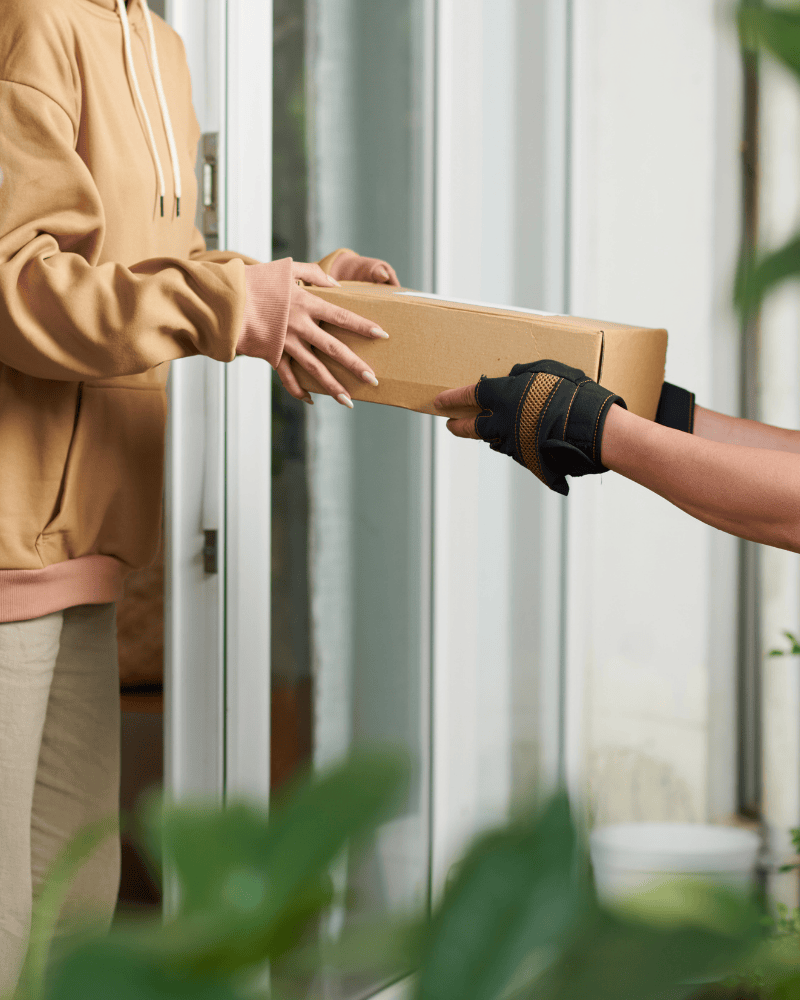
[787,989]
[110,969]
[775,29]
[376,946]
[47,907]
[756,277]
[516,892]
[794,651]
[614,958]
[249,885]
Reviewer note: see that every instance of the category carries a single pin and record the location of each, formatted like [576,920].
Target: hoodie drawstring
[162,101]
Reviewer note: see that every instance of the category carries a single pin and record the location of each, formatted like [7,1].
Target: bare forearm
[750,492]
[734,430]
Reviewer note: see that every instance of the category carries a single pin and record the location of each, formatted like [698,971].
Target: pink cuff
[349,266]
[266,310]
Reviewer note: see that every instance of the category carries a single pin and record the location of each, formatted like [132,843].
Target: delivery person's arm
[734,430]
[750,492]
[557,422]
[677,408]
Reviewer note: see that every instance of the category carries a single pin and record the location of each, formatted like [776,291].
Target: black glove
[676,408]
[548,417]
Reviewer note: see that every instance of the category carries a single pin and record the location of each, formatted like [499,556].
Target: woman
[737,475]
[103,279]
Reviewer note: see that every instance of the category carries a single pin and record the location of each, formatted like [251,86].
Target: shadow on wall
[629,786]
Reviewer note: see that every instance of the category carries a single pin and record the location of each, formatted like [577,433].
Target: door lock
[209,189]
[211,552]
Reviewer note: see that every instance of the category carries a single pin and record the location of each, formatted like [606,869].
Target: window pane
[368,469]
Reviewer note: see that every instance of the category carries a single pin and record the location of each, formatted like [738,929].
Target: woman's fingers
[327,312]
[311,363]
[457,399]
[384,273]
[340,353]
[463,427]
[289,379]
[312,274]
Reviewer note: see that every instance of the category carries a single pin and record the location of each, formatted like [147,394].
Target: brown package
[436,344]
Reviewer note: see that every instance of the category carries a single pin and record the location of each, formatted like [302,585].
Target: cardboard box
[437,344]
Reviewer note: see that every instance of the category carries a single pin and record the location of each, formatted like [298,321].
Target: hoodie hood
[112,5]
[134,8]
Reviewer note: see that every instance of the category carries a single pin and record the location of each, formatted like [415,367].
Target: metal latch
[209,189]
[211,552]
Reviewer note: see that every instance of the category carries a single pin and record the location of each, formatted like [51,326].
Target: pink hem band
[33,593]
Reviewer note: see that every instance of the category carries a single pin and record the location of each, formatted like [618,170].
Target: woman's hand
[349,266]
[304,333]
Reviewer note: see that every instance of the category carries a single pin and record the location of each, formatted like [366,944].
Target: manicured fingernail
[383,274]
[369,377]
[345,401]
[333,281]
[377,332]
[308,399]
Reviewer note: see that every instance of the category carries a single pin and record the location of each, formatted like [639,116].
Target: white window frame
[513,527]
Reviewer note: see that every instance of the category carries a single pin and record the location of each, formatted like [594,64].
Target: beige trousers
[59,764]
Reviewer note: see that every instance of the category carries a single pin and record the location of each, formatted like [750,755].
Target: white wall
[587,158]
[651,640]
[779,402]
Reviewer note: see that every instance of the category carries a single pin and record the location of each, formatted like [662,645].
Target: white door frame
[217,643]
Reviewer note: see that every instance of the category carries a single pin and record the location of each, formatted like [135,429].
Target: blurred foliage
[794,648]
[519,919]
[774,29]
[249,887]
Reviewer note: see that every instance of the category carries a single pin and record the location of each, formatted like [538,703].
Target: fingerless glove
[548,417]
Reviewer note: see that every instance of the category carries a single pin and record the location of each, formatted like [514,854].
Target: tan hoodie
[97,292]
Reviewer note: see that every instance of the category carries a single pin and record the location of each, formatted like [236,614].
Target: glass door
[351,501]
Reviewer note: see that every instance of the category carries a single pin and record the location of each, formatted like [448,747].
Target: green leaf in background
[794,651]
[249,885]
[775,29]
[47,907]
[516,892]
[757,277]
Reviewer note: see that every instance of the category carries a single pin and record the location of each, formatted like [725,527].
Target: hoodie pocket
[111,497]
[37,426]
[62,487]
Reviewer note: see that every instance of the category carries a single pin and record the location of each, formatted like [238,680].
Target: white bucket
[631,857]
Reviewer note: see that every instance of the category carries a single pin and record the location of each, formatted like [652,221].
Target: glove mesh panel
[534,406]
